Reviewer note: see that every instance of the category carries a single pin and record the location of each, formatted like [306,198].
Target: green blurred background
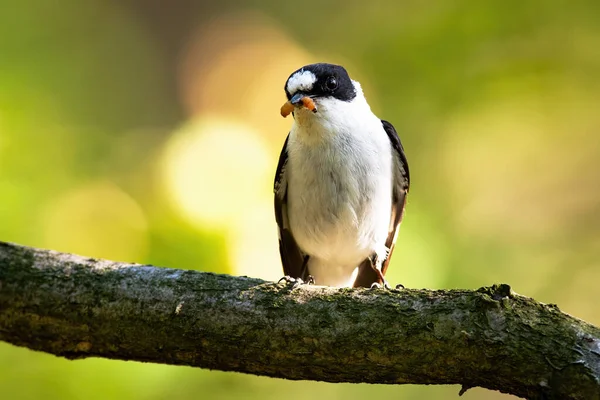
[123,125]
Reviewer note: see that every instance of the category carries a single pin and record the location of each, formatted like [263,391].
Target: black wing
[399,189]
[292,258]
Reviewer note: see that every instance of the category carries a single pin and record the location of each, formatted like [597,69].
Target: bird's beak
[298,100]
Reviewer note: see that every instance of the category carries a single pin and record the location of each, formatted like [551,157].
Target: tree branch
[78,307]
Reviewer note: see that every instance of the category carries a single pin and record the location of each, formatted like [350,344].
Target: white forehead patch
[301,80]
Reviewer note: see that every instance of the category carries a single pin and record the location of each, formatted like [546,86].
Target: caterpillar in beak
[288,107]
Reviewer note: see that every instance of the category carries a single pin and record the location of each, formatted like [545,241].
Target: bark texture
[78,307]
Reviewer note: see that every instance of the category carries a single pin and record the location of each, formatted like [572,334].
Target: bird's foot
[296,282]
[288,279]
[377,285]
[400,286]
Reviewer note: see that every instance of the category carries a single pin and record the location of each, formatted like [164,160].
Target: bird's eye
[331,83]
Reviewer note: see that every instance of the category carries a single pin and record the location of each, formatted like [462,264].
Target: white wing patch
[301,80]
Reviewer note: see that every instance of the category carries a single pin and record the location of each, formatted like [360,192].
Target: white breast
[339,188]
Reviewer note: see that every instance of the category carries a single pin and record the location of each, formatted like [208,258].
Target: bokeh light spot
[214,170]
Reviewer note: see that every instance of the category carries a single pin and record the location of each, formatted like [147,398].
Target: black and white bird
[341,182]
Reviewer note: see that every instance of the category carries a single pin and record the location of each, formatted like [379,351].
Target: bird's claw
[399,286]
[377,285]
[297,281]
[286,279]
[294,281]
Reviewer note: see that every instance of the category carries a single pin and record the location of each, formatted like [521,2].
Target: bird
[341,183]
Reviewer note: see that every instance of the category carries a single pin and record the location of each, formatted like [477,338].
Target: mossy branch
[78,307]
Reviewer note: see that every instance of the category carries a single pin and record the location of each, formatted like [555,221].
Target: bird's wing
[399,190]
[292,258]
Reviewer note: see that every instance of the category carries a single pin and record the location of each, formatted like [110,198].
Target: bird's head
[319,89]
